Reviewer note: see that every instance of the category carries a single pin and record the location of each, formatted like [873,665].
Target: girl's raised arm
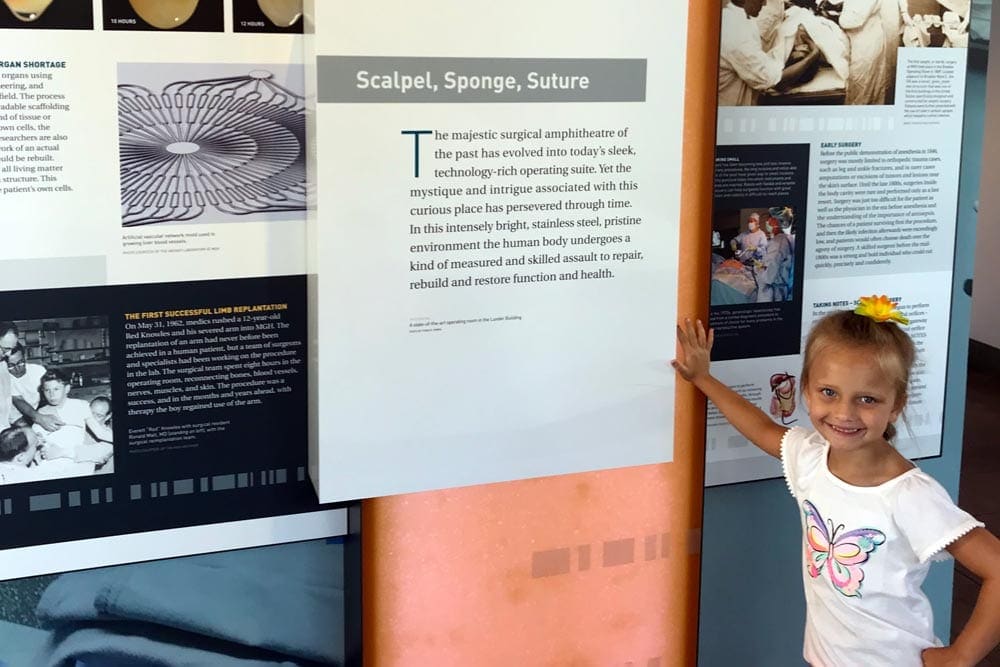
[693,365]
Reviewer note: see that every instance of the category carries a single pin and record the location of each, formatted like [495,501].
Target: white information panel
[494,245]
[152,288]
[836,178]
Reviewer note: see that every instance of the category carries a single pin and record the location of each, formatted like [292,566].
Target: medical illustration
[783,397]
[233,145]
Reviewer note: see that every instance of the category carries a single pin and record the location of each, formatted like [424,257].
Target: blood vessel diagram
[233,145]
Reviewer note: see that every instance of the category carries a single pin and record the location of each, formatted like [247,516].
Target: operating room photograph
[826,52]
[753,256]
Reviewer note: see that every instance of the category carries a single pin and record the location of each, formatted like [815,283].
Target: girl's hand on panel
[696,348]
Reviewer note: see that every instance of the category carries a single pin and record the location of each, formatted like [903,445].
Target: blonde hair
[892,349]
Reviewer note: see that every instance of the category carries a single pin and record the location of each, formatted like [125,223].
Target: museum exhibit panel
[297,296]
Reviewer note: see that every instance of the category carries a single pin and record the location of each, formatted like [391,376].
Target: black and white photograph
[753,256]
[47,14]
[211,143]
[55,399]
[825,52]
[936,23]
[267,16]
[179,15]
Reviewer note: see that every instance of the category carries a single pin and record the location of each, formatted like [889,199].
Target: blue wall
[752,606]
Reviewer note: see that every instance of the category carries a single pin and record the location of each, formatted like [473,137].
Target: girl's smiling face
[850,399]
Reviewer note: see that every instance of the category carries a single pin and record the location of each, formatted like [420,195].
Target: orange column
[595,568]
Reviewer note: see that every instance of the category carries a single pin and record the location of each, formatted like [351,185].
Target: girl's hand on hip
[942,657]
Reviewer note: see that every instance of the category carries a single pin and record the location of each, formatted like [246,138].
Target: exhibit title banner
[381,79]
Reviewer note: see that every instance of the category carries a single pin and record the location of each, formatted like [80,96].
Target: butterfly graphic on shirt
[839,554]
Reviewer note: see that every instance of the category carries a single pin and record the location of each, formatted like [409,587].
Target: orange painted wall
[588,569]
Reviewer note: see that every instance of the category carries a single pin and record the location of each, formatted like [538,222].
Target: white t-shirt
[74,412]
[26,387]
[5,405]
[864,605]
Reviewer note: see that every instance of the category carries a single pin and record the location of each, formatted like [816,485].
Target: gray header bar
[387,80]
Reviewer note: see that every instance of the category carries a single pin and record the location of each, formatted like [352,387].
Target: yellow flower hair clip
[880,309]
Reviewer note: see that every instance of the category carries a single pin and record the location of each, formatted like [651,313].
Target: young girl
[871,520]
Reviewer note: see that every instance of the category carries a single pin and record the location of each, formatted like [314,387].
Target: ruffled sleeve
[801,455]
[926,515]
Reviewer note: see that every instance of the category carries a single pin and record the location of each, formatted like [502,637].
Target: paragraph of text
[34,128]
[523,207]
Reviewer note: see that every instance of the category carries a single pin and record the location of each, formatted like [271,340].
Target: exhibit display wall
[838,184]
[755,624]
[447,258]
[153,184]
[590,568]
[264,259]
[153,472]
